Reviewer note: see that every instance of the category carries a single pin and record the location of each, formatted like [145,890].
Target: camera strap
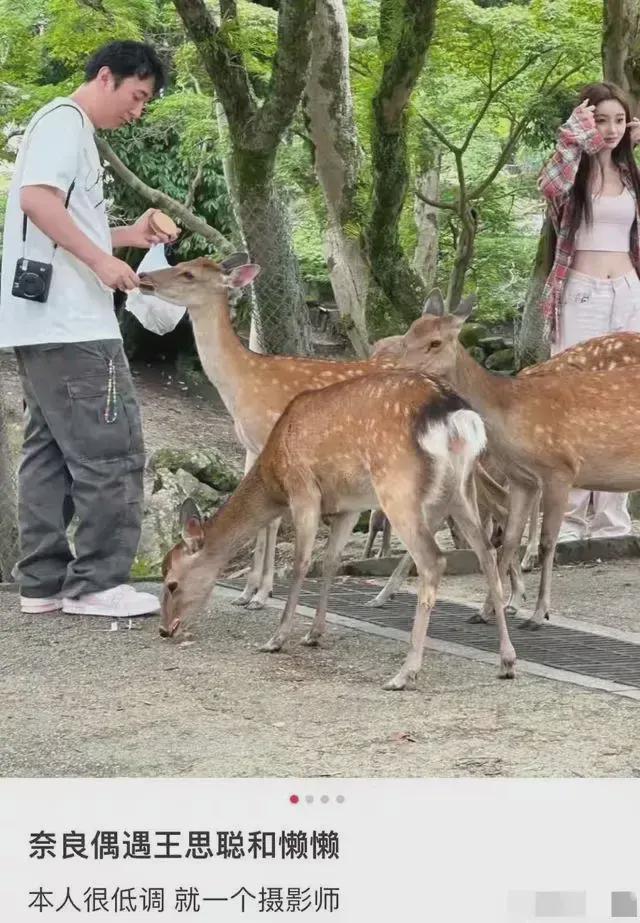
[24,223]
[70,189]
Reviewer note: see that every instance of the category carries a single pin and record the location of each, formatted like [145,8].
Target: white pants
[590,308]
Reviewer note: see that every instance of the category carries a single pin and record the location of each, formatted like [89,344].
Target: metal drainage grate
[552,646]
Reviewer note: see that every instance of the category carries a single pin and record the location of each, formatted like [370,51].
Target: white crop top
[613,216]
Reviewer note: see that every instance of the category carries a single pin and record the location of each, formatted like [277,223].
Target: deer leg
[430,563]
[255,574]
[386,539]
[459,541]
[268,562]
[466,517]
[520,497]
[516,580]
[390,588]
[555,496]
[371,536]
[306,518]
[341,528]
[531,553]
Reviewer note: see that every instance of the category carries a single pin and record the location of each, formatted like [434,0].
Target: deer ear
[434,303]
[243,275]
[235,260]
[466,306]
[191,525]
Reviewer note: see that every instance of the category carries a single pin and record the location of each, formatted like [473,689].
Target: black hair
[127,59]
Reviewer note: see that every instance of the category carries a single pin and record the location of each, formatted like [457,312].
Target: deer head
[431,341]
[195,282]
[176,565]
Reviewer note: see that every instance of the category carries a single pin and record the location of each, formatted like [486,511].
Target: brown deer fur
[398,439]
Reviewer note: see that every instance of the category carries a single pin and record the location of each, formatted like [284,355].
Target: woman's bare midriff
[602,264]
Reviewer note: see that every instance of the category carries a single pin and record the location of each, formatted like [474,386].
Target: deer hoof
[479,618]
[532,625]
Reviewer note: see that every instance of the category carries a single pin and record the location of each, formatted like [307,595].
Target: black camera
[32,280]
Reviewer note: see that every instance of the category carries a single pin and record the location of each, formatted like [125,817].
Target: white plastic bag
[156,315]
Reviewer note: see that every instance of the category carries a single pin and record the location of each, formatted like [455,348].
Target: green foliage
[44,43]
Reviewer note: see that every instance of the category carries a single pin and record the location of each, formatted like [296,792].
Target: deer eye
[187,274]
[434,344]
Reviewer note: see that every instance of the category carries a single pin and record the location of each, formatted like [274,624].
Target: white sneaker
[39,605]
[120,602]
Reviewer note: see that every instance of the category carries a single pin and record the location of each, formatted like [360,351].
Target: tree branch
[493,92]
[436,131]
[223,65]
[515,133]
[161,199]
[197,180]
[506,152]
[288,74]
[444,205]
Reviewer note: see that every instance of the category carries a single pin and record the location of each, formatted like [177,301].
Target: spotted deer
[613,350]
[552,430]
[411,452]
[255,388]
[604,353]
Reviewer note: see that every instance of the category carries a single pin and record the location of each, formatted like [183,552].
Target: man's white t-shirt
[58,148]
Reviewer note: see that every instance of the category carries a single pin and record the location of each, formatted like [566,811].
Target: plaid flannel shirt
[578,135]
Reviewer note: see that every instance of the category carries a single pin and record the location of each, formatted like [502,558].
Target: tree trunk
[621,45]
[281,318]
[530,346]
[256,130]
[406,28]
[425,257]
[463,257]
[8,506]
[329,110]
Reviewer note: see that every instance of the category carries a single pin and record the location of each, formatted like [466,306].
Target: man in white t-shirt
[83,450]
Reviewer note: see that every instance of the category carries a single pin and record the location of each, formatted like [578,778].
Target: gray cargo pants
[83,452]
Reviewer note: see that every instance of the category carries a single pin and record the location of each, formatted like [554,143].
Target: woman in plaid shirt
[592,187]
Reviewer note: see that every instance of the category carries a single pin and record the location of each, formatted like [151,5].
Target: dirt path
[78,701]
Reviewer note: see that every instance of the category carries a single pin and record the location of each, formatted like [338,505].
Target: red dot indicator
[294,799]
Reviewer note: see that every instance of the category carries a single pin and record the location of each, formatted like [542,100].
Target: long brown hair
[622,156]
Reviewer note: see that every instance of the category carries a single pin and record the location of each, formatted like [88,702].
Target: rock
[207,498]
[471,334]
[477,353]
[501,361]
[160,523]
[634,504]
[493,343]
[206,465]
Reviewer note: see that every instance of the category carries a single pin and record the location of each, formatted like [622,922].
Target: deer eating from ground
[555,430]
[401,440]
[255,388]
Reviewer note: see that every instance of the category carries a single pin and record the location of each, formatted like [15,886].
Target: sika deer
[553,430]
[255,388]
[611,351]
[412,449]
